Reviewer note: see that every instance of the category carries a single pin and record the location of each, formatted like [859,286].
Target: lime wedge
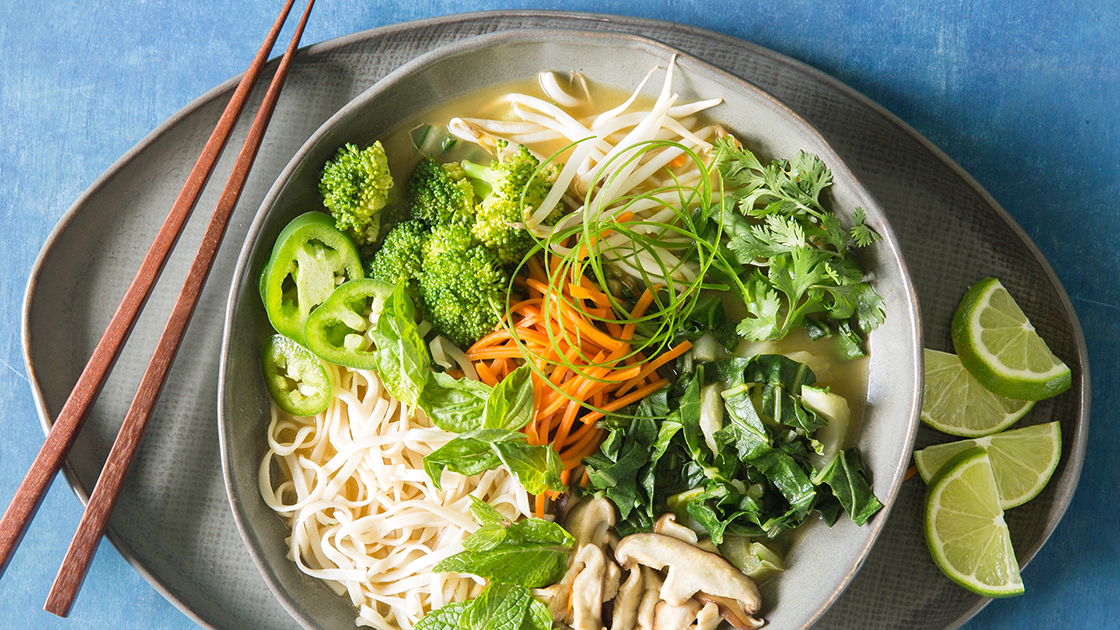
[954,402]
[1022,460]
[965,530]
[998,346]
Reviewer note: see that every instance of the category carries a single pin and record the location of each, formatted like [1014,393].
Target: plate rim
[619,23]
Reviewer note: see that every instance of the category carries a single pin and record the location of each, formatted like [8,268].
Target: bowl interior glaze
[824,559]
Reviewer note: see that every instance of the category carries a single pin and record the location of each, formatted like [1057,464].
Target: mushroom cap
[690,570]
[587,588]
[590,520]
[667,524]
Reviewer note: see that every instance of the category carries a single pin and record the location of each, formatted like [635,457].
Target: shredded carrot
[584,363]
[584,293]
[485,375]
[501,352]
[623,217]
[631,398]
[649,368]
[491,339]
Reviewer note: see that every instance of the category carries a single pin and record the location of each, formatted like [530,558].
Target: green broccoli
[399,256]
[355,188]
[440,193]
[460,280]
[474,216]
[510,187]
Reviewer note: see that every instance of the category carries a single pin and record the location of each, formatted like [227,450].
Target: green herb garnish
[514,557]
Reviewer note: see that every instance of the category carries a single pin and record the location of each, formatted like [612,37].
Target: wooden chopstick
[64,431]
[82,548]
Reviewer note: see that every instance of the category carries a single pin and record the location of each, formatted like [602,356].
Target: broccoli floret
[466,257]
[509,190]
[355,188]
[399,256]
[440,193]
[452,238]
[460,280]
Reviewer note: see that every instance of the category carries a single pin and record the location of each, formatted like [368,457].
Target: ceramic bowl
[823,560]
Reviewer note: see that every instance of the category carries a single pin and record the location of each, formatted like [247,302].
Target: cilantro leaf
[863,234]
[793,253]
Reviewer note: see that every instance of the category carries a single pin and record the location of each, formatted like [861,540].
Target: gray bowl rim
[837,164]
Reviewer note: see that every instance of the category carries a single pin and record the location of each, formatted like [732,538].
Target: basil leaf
[510,403]
[537,468]
[464,455]
[402,355]
[455,405]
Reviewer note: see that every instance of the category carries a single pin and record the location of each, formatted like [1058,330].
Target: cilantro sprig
[793,257]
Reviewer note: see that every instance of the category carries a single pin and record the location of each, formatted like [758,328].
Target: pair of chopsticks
[65,429]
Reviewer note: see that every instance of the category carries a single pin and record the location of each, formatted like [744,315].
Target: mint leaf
[531,553]
[445,617]
[537,617]
[497,607]
[484,514]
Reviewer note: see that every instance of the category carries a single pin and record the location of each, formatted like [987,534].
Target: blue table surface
[1023,94]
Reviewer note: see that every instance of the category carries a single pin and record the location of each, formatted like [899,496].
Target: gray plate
[173,521]
[824,559]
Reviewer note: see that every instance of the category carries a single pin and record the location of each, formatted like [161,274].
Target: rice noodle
[364,516]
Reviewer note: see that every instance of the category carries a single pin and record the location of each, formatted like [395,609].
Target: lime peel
[954,402]
[998,345]
[1023,460]
[965,530]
